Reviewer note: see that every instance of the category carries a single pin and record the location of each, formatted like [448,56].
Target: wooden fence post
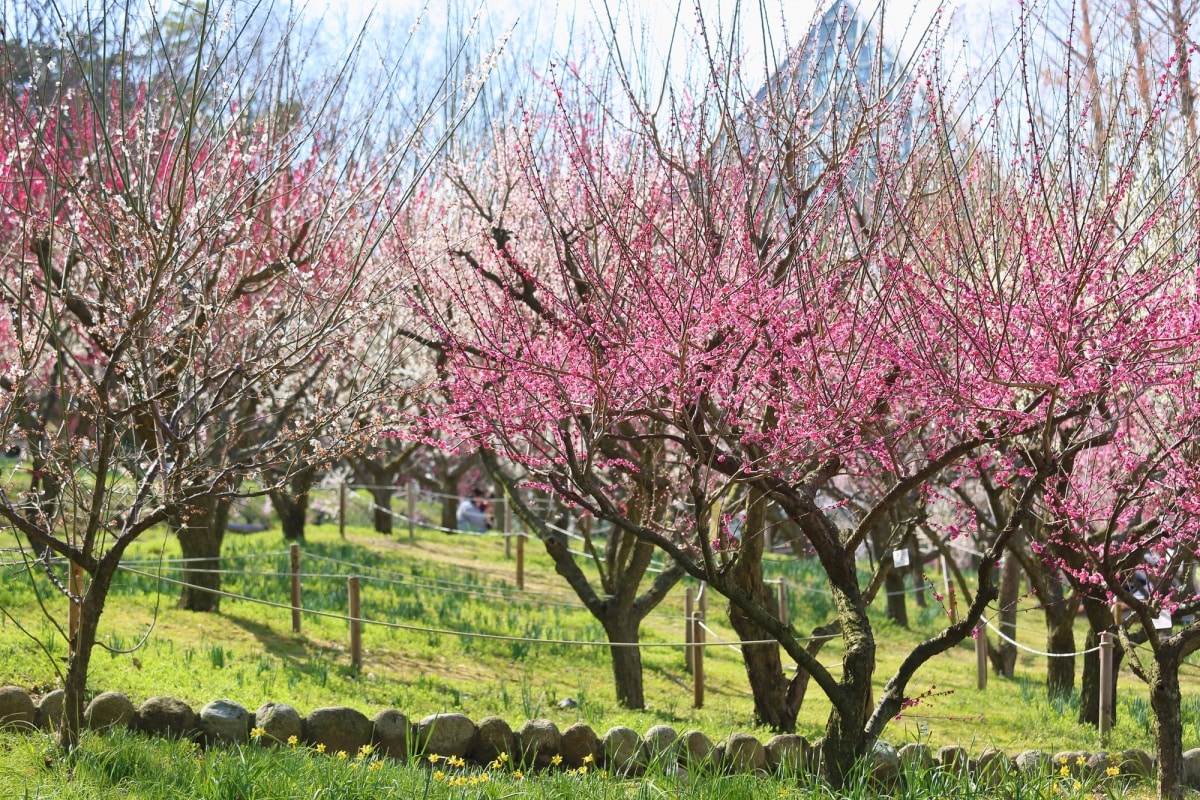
[412,509]
[355,623]
[342,510]
[688,623]
[294,558]
[981,653]
[521,561]
[1104,717]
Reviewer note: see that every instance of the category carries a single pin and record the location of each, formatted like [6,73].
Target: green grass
[248,654]
[124,766]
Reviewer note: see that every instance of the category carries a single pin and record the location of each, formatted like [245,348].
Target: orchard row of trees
[846,293]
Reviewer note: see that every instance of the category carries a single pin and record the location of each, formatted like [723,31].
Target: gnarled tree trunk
[200,536]
[622,629]
[381,499]
[1060,640]
[764,667]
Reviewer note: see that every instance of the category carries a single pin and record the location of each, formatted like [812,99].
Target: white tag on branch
[900,557]
[1163,621]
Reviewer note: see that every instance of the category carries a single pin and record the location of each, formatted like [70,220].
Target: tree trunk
[450,504]
[1165,701]
[917,568]
[1099,619]
[626,661]
[75,682]
[897,602]
[764,667]
[293,513]
[1005,661]
[381,497]
[846,740]
[1060,638]
[200,536]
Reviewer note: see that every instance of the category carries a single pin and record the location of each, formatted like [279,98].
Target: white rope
[1020,646]
[964,548]
[223,556]
[731,646]
[440,631]
[442,581]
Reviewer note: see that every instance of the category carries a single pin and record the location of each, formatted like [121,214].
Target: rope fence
[699,635]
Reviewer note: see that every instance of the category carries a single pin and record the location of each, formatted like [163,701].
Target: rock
[744,753]
[885,764]
[165,716]
[786,753]
[538,742]
[496,738]
[693,748]
[567,703]
[16,708]
[279,723]
[50,710]
[658,744]
[581,746]
[915,757]
[1098,764]
[677,773]
[109,710]
[993,767]
[224,721]
[1138,763]
[815,754]
[622,746]
[389,734]
[339,729]
[954,759]
[446,735]
[1033,762]
[1191,768]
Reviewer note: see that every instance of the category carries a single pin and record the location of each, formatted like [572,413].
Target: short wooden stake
[1104,717]
[697,660]
[412,509]
[783,603]
[521,561]
[294,558]
[981,654]
[688,601]
[355,623]
[342,510]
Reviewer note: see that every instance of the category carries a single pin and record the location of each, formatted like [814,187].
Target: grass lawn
[466,584]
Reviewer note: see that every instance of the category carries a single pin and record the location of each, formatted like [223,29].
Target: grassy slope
[248,653]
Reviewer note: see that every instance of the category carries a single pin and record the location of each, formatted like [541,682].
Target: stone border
[538,743]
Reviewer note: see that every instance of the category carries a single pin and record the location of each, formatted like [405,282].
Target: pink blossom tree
[179,270]
[860,288]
